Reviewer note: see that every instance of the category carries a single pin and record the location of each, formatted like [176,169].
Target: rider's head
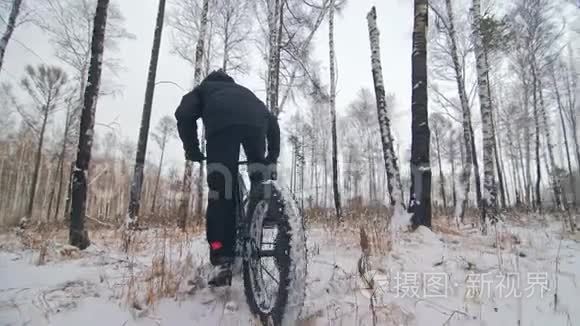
[219,75]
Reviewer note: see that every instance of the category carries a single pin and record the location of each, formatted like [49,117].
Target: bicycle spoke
[262,268]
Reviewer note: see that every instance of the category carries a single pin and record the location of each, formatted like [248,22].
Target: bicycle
[270,229]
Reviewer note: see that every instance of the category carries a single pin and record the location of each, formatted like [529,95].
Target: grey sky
[352,47]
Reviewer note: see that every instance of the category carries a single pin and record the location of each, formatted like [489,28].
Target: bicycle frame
[242,228]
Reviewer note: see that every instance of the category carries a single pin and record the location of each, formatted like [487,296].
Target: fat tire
[278,212]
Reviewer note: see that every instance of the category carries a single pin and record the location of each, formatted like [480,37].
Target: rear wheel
[269,267]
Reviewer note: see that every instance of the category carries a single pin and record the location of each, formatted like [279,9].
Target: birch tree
[439,126]
[420,195]
[199,51]
[362,132]
[494,39]
[537,41]
[392,168]
[452,51]
[564,127]
[69,25]
[287,36]
[233,26]
[165,131]
[186,20]
[572,85]
[136,185]
[489,194]
[70,131]
[78,235]
[453,150]
[10,26]
[332,62]
[228,27]
[275,26]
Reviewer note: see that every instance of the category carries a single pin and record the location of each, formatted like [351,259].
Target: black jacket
[222,103]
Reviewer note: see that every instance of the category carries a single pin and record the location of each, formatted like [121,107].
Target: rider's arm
[187,114]
[273,137]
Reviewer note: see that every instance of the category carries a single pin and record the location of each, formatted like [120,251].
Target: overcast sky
[352,48]
[395,19]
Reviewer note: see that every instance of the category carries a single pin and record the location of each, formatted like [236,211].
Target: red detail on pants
[215,245]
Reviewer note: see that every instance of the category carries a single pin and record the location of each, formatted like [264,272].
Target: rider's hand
[273,171]
[194,155]
[272,167]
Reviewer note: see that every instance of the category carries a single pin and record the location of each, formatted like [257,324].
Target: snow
[297,288]
[93,287]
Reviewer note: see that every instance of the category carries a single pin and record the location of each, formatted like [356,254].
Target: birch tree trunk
[137,184]
[554,168]
[420,194]
[463,194]
[571,83]
[14,11]
[453,182]
[565,134]
[496,156]
[158,176]
[391,166]
[303,48]
[61,159]
[332,61]
[501,165]
[325,177]
[527,168]
[37,159]
[441,176]
[538,201]
[199,181]
[526,175]
[489,194]
[512,143]
[78,236]
[274,20]
[198,203]
[476,174]
[199,51]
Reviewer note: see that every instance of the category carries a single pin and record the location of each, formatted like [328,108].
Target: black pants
[223,151]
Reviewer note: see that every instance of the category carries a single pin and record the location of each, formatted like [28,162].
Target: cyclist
[232,116]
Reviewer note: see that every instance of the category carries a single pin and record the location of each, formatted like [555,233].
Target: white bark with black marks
[393,177]
[275,16]
[187,175]
[489,187]
[463,193]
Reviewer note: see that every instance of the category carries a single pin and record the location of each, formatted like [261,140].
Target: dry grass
[166,272]
[158,263]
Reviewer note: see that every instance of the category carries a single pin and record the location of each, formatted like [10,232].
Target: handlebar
[239,163]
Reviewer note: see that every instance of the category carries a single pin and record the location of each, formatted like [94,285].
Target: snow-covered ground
[428,278]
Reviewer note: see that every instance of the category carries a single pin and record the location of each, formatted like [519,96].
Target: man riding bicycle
[232,116]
